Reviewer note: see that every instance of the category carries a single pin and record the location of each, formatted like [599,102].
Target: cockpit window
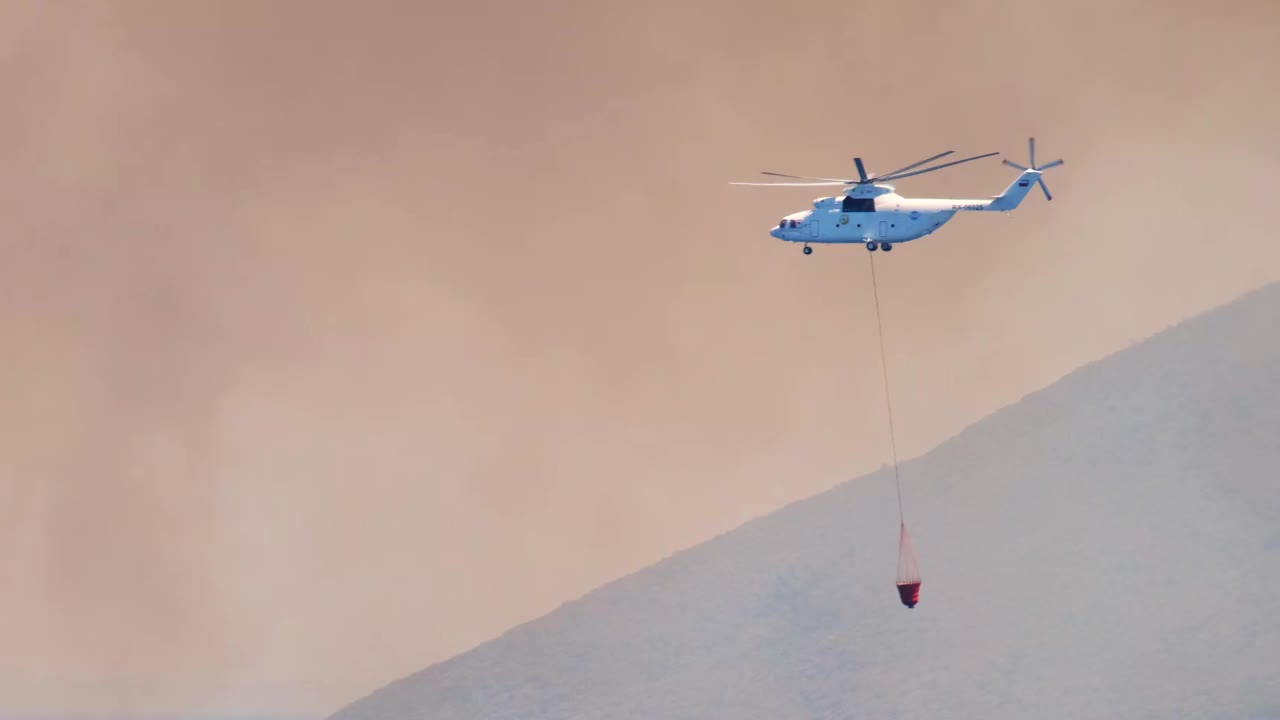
[783,224]
[793,223]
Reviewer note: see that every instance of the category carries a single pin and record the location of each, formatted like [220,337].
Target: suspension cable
[884,365]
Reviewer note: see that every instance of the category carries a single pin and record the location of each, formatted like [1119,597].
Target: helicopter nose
[776,232]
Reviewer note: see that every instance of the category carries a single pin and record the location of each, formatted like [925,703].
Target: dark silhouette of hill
[1108,547]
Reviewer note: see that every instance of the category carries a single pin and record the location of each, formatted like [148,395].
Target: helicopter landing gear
[808,250]
[886,246]
[871,246]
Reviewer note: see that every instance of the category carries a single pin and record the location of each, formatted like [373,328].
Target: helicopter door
[813,225]
[884,228]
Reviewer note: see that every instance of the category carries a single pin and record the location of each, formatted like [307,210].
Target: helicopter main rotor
[863,178]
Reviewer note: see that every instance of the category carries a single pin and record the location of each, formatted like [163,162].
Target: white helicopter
[876,215]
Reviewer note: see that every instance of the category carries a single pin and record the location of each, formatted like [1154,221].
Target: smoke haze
[338,340]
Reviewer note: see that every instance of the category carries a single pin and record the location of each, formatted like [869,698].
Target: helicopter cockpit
[794,220]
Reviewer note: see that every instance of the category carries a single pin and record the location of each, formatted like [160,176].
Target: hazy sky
[338,338]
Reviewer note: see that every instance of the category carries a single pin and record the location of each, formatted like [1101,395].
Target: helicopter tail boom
[1017,190]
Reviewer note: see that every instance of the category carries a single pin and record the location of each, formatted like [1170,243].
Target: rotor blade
[1032,142]
[1045,188]
[1015,165]
[1055,163]
[936,167]
[813,184]
[862,171]
[912,166]
[805,177]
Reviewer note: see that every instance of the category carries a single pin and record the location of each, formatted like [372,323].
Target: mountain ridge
[772,626]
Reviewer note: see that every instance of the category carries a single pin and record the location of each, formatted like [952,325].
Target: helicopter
[873,213]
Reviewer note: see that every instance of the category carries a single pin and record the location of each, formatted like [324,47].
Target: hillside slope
[1107,547]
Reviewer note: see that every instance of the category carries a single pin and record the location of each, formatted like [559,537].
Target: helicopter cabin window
[853,204]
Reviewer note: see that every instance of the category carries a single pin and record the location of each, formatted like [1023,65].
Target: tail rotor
[1040,180]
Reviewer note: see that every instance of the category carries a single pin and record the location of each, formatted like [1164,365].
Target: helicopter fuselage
[878,214]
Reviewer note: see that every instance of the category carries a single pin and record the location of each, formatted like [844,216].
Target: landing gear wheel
[808,250]
[886,246]
[871,246]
